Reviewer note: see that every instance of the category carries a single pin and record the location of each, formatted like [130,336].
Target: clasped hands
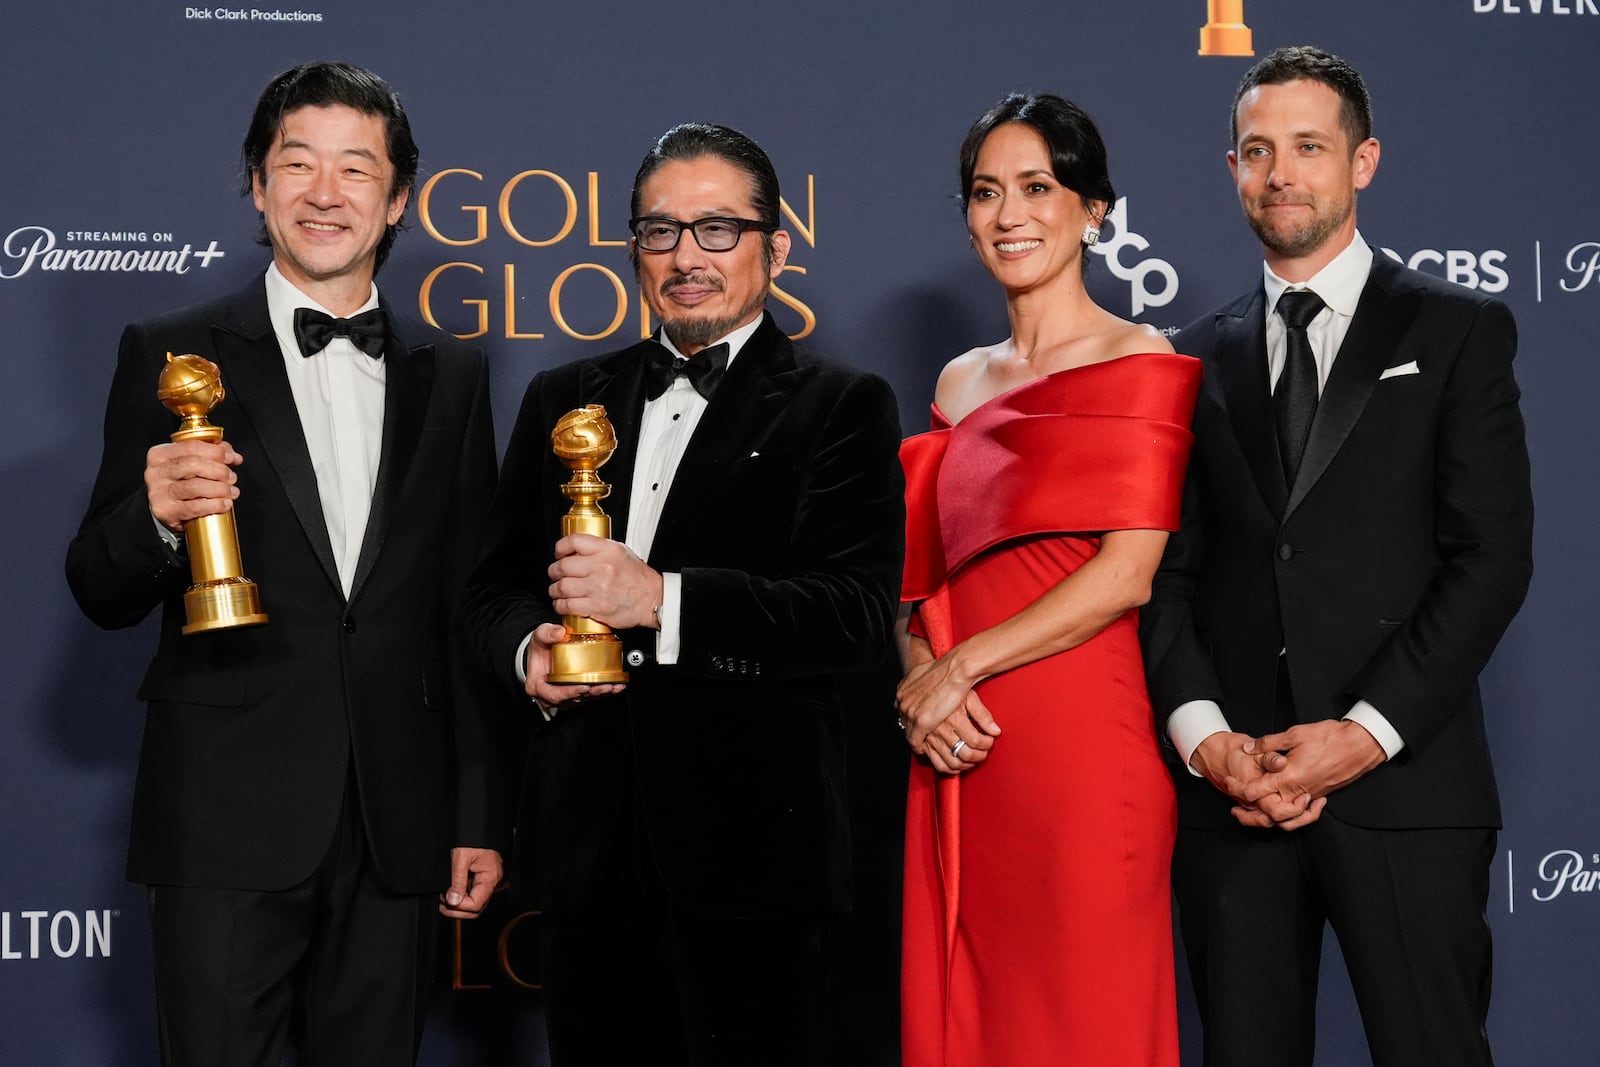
[944,720]
[599,579]
[1284,779]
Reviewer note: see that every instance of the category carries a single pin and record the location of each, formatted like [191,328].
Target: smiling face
[1297,174]
[325,193]
[1026,227]
[700,296]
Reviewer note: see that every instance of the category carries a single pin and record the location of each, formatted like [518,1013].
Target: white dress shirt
[1339,284]
[339,395]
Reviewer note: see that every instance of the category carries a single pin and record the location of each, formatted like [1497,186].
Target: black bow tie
[314,331]
[704,369]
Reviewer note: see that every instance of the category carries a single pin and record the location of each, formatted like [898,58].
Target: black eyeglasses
[717,233]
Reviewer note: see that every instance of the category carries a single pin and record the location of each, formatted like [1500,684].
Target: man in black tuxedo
[307,786]
[1356,538]
[685,834]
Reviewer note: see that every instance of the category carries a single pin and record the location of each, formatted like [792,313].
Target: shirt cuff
[168,538]
[1191,723]
[521,666]
[1381,729]
[669,637]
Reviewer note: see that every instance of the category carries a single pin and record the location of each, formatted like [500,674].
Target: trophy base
[587,659]
[1226,39]
[223,604]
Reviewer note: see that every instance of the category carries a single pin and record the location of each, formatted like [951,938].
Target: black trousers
[1408,908]
[637,978]
[336,966]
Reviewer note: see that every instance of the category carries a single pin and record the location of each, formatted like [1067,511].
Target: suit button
[1285,553]
[350,625]
[716,663]
[634,658]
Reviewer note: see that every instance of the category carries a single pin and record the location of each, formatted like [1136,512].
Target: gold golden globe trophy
[583,440]
[1225,33]
[221,597]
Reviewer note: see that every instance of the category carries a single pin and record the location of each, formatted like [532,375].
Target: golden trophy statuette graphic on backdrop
[221,597]
[583,440]
[1225,33]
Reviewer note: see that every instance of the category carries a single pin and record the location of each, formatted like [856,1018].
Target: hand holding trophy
[583,440]
[221,597]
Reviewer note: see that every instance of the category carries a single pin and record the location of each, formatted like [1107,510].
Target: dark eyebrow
[1025,174]
[361,152]
[1320,136]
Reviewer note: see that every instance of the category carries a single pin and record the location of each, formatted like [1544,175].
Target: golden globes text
[537,265]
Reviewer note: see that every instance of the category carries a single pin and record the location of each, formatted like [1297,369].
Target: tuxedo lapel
[617,384]
[757,386]
[408,383]
[1379,324]
[252,372]
[1247,392]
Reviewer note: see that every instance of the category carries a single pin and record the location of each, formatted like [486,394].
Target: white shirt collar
[1339,284]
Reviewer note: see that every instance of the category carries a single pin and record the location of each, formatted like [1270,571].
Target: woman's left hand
[928,694]
[964,739]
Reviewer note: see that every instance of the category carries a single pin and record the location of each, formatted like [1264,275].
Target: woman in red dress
[1040,819]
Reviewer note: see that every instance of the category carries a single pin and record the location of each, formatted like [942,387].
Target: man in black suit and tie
[306,787]
[1356,538]
[684,834]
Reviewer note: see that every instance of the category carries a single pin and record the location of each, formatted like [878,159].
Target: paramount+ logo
[1564,875]
[29,248]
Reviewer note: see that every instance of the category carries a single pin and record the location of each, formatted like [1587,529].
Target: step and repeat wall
[120,198]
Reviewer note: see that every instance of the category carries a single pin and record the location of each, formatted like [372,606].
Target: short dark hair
[692,140]
[1077,152]
[1306,63]
[329,85]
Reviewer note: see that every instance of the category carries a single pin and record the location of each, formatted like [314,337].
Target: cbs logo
[1483,271]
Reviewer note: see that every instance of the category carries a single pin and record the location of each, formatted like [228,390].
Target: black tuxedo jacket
[786,521]
[251,734]
[1388,570]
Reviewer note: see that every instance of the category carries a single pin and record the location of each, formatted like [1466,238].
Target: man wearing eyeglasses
[685,834]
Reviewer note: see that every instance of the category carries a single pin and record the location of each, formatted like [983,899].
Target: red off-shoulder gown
[1037,925]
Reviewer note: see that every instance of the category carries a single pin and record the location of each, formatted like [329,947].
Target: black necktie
[1295,401]
[314,331]
[704,369]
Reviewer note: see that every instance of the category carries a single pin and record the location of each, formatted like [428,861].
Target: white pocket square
[1404,368]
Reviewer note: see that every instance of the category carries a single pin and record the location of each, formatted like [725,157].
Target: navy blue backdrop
[119,198]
